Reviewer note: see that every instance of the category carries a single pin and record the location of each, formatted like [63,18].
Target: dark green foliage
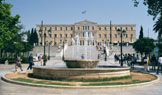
[32,36]
[159,45]
[141,33]
[145,45]
[155,10]
[24,59]
[9,25]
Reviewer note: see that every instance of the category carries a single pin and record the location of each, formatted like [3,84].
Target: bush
[10,60]
[24,59]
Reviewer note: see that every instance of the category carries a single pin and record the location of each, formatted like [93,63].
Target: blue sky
[70,11]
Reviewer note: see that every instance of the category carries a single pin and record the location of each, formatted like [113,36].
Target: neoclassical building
[56,34]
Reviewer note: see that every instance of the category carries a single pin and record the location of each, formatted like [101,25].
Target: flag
[84,12]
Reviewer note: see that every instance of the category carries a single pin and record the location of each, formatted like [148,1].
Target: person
[153,61]
[18,64]
[146,62]
[82,57]
[30,59]
[44,58]
[129,60]
[159,64]
[133,61]
[39,58]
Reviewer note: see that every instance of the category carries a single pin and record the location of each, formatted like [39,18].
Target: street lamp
[121,50]
[49,44]
[44,50]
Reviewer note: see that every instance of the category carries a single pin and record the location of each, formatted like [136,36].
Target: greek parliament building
[56,34]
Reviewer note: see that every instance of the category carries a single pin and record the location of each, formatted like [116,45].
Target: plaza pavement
[13,89]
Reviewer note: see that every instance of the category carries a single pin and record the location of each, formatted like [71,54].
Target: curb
[80,87]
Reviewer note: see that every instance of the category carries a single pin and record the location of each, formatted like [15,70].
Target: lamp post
[44,50]
[44,59]
[121,49]
[49,44]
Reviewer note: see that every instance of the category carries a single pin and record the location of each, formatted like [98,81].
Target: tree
[141,33]
[35,37]
[9,25]
[144,45]
[155,10]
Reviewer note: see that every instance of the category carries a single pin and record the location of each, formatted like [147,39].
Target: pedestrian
[153,62]
[44,58]
[129,60]
[30,59]
[133,61]
[159,65]
[146,62]
[18,64]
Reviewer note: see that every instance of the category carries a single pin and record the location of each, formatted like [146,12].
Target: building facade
[56,34]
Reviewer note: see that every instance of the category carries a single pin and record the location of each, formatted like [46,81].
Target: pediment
[85,22]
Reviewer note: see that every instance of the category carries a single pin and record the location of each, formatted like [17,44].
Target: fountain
[81,58]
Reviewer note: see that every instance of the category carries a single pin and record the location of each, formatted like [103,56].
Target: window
[85,27]
[60,28]
[60,35]
[105,28]
[99,35]
[55,35]
[55,43]
[116,35]
[126,28]
[71,35]
[78,28]
[45,28]
[131,28]
[71,28]
[50,28]
[92,27]
[105,35]
[131,35]
[83,34]
[66,35]
[66,28]
[99,28]
[88,27]
[116,28]
[126,35]
[55,28]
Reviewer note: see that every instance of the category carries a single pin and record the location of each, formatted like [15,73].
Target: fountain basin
[80,73]
[82,63]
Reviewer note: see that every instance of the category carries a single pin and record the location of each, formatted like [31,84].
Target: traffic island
[136,79]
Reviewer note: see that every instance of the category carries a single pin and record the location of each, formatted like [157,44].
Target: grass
[40,82]
[117,83]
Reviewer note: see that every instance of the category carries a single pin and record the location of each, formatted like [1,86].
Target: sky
[32,12]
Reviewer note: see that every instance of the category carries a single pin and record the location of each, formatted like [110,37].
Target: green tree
[35,37]
[9,25]
[144,45]
[155,10]
[141,33]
